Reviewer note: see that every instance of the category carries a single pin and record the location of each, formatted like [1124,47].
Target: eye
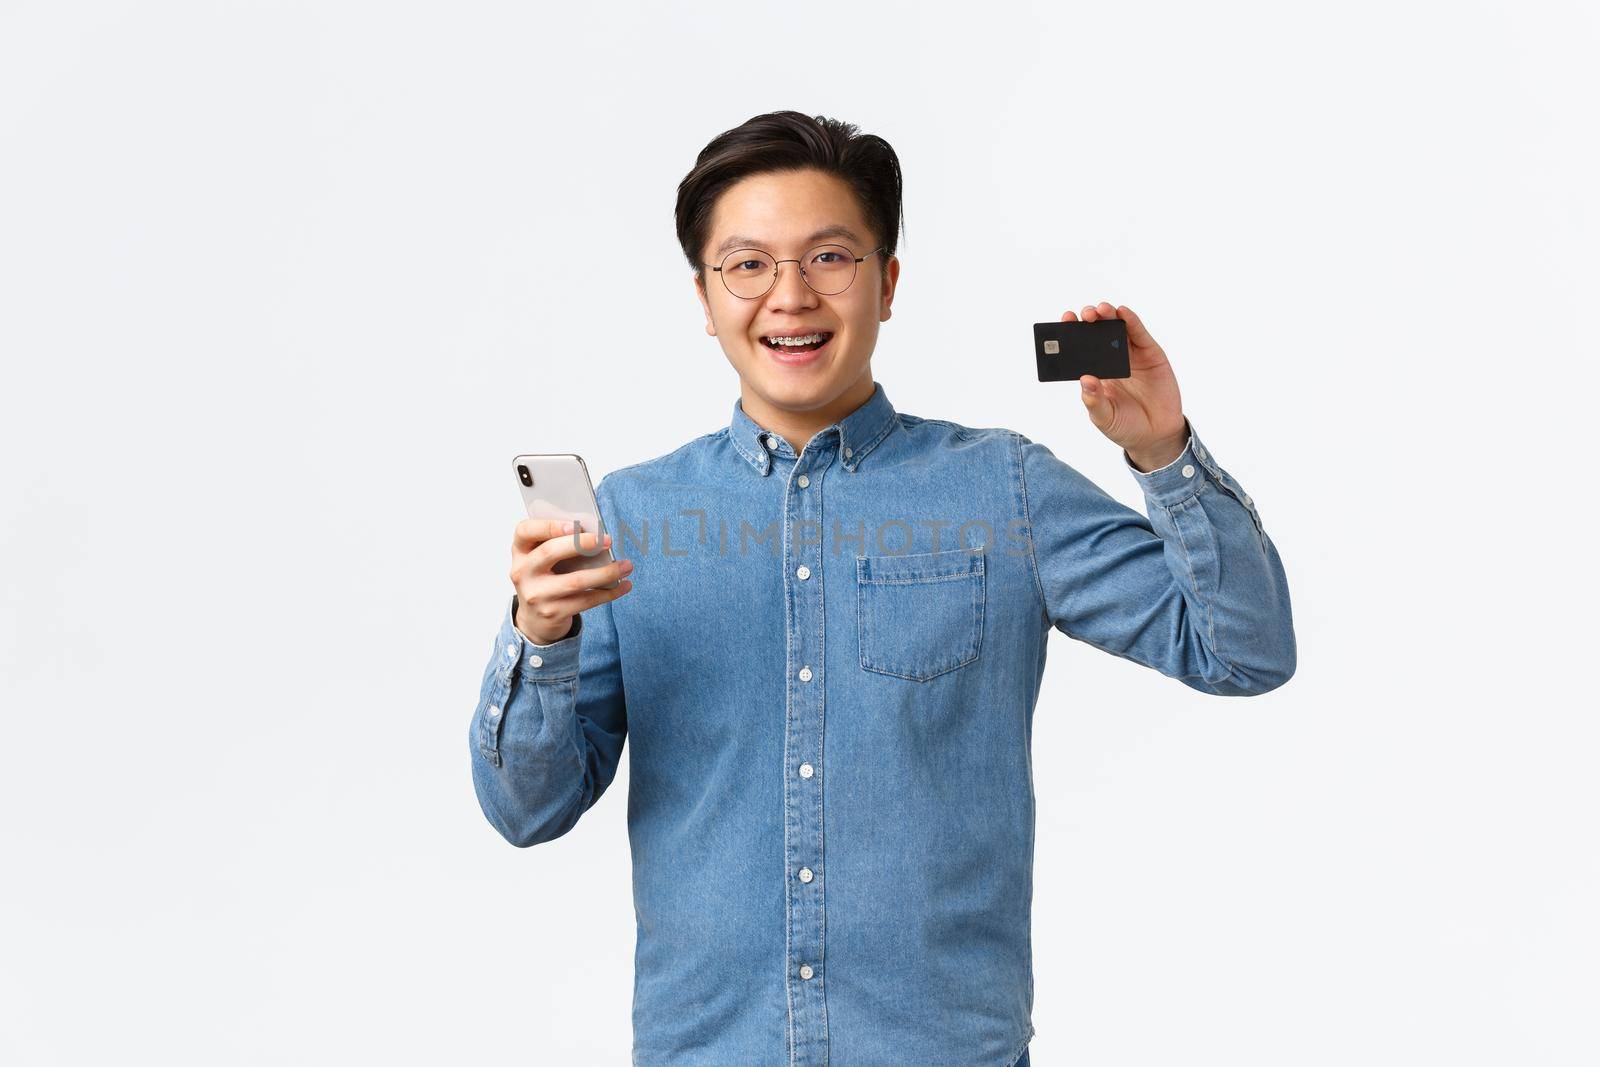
[836,257]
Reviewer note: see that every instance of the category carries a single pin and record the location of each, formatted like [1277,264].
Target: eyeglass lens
[750,272]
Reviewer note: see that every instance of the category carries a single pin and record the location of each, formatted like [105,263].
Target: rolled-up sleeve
[1194,589]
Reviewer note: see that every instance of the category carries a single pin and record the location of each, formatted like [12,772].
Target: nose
[790,289]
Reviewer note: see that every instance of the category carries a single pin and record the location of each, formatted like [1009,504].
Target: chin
[805,393]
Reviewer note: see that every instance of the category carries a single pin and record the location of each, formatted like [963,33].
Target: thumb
[1096,400]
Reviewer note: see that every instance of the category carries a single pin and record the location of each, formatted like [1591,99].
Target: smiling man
[803,357]
[829,670]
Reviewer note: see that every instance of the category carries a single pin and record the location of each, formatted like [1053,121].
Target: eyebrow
[750,242]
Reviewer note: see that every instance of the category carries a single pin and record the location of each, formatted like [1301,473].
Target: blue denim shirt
[827,669]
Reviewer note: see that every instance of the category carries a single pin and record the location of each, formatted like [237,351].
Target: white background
[283,287]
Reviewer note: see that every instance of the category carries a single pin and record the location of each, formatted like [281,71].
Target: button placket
[803,735]
[489,741]
[1232,490]
[499,693]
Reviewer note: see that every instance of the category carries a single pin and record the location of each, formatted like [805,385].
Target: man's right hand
[547,601]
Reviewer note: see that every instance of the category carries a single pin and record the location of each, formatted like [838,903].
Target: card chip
[1052,348]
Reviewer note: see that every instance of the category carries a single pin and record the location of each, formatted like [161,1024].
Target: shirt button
[770,441]
[847,453]
[1199,451]
[805,971]
[802,481]
[805,770]
[1247,500]
[511,652]
[494,711]
[536,661]
[805,874]
[805,674]
[803,572]
[1188,470]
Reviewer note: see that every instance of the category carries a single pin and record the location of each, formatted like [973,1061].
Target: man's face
[780,213]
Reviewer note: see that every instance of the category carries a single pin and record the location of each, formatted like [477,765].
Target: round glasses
[750,273]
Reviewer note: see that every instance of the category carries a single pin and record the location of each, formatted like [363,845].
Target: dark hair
[790,141]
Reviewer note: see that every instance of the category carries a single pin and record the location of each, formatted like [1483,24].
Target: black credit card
[1066,351]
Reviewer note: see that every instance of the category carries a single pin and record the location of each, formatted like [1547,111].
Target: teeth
[808,339]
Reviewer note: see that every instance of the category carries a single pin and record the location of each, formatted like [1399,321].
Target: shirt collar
[859,433]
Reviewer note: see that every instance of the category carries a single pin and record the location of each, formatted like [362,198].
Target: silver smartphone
[557,486]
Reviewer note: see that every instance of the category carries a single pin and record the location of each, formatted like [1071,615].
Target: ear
[889,286]
[705,305]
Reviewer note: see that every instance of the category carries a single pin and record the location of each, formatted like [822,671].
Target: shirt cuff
[1176,480]
[559,659]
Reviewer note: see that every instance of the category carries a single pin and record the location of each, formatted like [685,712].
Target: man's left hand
[1143,413]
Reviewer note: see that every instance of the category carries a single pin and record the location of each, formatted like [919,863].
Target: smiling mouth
[778,346]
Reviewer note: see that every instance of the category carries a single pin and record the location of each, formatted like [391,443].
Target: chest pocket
[920,615]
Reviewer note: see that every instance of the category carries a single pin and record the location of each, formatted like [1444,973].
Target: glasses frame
[777,265]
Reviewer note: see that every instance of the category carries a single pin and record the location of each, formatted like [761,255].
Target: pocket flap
[920,566]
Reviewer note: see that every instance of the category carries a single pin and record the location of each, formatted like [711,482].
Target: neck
[799,427]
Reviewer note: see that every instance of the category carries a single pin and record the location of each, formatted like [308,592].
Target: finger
[567,546]
[578,581]
[546,606]
[1137,333]
[589,598]
[530,532]
[1089,313]
[542,558]
[1106,310]
[1067,316]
